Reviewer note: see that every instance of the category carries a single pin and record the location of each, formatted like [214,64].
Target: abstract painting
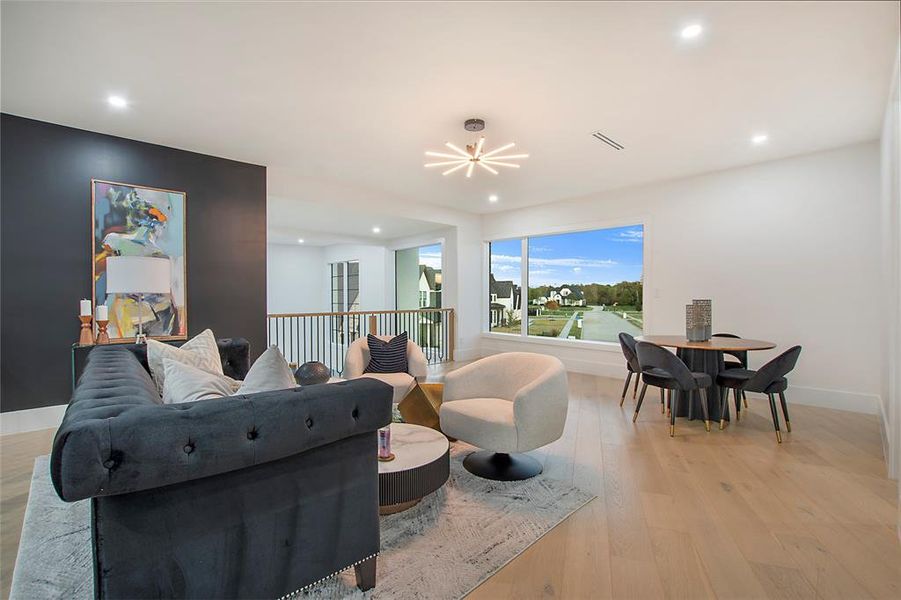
[132,220]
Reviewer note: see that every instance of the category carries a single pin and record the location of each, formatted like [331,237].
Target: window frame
[523,335]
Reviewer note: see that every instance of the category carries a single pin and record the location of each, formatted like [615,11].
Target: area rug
[442,548]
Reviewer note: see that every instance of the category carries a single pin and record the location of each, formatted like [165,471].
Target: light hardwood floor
[727,514]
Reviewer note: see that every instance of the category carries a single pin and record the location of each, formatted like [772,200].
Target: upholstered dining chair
[662,369]
[740,362]
[357,359]
[768,379]
[627,343]
[507,404]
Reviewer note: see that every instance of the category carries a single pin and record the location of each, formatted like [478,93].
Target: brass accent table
[422,404]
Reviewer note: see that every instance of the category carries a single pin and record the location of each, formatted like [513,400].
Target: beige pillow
[269,372]
[185,383]
[200,351]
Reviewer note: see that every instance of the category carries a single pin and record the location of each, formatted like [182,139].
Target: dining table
[705,357]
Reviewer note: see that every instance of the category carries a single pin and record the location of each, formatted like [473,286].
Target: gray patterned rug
[466,531]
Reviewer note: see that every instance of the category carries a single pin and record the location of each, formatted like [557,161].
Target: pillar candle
[102,313]
[85,308]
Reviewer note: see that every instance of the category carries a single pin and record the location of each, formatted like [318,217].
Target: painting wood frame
[179,329]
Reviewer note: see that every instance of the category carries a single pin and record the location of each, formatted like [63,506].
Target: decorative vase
[704,308]
[311,373]
[694,326]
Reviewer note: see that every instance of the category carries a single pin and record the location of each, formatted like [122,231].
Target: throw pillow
[200,351]
[269,372]
[387,357]
[185,383]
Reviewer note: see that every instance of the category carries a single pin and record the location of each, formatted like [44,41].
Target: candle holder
[87,336]
[102,336]
[385,454]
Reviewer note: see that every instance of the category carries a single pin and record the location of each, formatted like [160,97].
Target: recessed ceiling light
[117,101]
[760,138]
[492,198]
[692,31]
[376,229]
[300,240]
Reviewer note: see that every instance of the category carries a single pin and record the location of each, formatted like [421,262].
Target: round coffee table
[421,466]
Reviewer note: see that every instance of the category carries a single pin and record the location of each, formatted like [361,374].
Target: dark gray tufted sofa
[245,497]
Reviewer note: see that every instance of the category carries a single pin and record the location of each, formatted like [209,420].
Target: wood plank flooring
[727,514]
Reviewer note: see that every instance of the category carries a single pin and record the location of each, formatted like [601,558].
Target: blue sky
[599,256]
[430,256]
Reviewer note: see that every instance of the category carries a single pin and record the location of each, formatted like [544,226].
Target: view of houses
[566,298]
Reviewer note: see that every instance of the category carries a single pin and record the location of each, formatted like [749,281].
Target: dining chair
[768,379]
[741,361]
[627,343]
[663,369]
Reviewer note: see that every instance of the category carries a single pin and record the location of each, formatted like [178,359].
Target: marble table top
[413,446]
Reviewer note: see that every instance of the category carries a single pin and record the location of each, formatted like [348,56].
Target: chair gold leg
[672,430]
[779,436]
[707,426]
[644,388]
[722,424]
[788,426]
[744,398]
[626,388]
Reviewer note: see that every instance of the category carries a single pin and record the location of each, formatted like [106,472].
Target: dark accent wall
[46,173]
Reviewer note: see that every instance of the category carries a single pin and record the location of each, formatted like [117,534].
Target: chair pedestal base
[501,467]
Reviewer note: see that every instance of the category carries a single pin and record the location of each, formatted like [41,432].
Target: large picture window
[584,285]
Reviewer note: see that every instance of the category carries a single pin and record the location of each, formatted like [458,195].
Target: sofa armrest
[539,409]
[417,364]
[355,361]
[122,447]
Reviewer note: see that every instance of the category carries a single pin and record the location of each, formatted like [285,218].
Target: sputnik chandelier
[475,154]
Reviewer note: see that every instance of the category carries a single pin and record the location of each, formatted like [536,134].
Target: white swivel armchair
[357,359]
[507,404]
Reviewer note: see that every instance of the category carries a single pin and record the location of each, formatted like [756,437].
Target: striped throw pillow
[387,357]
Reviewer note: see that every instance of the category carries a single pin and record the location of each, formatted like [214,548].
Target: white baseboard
[837,399]
[810,396]
[32,419]
[462,354]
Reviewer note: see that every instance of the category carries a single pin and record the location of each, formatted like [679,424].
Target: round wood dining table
[705,357]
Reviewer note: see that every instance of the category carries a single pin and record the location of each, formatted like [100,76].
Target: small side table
[421,465]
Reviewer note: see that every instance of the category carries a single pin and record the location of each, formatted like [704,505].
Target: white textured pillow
[185,383]
[269,372]
[200,351]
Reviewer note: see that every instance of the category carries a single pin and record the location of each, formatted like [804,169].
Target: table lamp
[138,275]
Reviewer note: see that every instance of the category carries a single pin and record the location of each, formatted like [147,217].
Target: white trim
[32,419]
[461,354]
[524,270]
[549,341]
[835,399]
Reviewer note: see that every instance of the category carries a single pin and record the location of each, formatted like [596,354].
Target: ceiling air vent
[612,143]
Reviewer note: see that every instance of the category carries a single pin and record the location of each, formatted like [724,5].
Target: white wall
[294,281]
[891,249]
[375,293]
[788,250]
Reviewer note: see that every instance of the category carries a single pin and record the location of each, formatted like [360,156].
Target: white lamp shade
[137,275]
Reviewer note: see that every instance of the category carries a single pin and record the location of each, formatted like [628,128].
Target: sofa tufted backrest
[117,437]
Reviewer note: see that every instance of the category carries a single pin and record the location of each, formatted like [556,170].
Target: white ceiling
[354,93]
[323,224]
